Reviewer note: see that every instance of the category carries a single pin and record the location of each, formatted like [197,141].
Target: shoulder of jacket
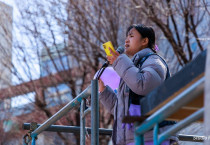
[139,55]
[155,62]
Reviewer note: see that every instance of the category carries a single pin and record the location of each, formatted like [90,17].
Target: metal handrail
[183,123]
[75,102]
[183,98]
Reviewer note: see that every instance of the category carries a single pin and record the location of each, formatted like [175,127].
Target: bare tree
[63,37]
[181,22]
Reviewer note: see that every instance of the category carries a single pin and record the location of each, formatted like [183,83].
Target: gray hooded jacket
[141,81]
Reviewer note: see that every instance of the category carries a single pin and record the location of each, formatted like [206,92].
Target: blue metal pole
[94,113]
[34,136]
[141,139]
[190,93]
[138,138]
[33,141]
[155,134]
[187,121]
[82,123]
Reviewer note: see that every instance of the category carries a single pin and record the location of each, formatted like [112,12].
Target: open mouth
[126,46]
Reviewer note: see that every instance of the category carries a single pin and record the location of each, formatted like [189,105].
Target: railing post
[33,142]
[94,113]
[138,139]
[155,134]
[82,123]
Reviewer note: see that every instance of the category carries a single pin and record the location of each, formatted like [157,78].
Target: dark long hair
[146,32]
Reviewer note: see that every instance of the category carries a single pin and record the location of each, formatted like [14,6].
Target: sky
[9,2]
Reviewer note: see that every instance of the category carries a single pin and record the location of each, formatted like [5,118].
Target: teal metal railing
[80,99]
[152,122]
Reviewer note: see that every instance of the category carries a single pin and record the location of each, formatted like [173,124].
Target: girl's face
[134,42]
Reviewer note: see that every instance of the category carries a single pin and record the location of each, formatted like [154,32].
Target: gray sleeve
[140,81]
[108,98]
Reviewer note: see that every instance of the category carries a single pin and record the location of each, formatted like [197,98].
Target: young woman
[138,78]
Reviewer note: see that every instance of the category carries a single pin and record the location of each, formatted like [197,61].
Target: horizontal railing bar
[69,129]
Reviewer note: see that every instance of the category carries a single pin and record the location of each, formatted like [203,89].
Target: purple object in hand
[110,78]
[134,110]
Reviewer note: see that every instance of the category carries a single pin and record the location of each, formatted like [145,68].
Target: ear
[145,42]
